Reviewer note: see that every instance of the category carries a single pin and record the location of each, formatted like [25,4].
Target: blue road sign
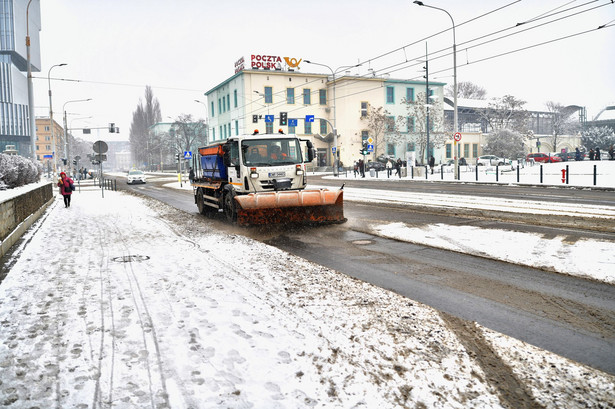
[47,156]
[292,122]
[269,118]
[333,149]
[187,155]
[370,148]
[309,118]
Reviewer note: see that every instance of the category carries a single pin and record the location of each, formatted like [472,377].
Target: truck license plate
[277,174]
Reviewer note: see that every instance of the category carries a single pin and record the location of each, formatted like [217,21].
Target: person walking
[191,175]
[66,188]
[577,154]
[432,163]
[591,154]
[398,167]
[611,153]
[389,168]
[597,154]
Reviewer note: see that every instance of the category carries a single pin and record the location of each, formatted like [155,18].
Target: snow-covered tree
[379,122]
[187,134]
[562,121]
[17,171]
[602,137]
[507,113]
[416,123]
[506,144]
[466,89]
[144,116]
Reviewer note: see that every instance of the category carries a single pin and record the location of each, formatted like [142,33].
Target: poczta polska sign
[268,62]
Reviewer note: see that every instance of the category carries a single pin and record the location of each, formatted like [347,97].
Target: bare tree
[507,113]
[188,134]
[144,116]
[378,122]
[466,89]
[416,121]
[562,122]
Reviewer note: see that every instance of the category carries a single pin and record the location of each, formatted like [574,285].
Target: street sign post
[187,154]
[309,118]
[269,118]
[292,122]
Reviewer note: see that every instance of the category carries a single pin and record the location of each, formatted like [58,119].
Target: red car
[542,157]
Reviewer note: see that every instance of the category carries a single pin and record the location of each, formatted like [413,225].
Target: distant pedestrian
[591,154]
[577,154]
[432,163]
[66,188]
[597,154]
[356,168]
[362,167]
[611,153]
[398,167]
[191,175]
[389,167]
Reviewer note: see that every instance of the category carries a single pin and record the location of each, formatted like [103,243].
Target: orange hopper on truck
[261,179]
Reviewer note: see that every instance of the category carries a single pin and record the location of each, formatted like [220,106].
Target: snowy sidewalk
[125,302]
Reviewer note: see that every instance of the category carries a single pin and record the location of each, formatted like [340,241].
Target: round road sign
[457,136]
[100,147]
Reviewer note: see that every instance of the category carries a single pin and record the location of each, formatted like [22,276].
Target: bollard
[567,174]
[540,174]
[476,167]
[595,175]
[441,172]
[412,172]
[426,171]
[518,173]
[497,173]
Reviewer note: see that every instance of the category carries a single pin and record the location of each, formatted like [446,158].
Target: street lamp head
[62,65]
[308,61]
[420,3]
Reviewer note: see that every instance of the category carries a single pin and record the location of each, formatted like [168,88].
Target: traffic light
[283,118]
[363,150]
[254,119]
[111,127]
[74,162]
[64,161]
[177,156]
[430,99]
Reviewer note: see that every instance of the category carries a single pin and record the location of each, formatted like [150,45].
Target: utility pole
[427,102]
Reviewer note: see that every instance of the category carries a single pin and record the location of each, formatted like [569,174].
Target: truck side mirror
[311,152]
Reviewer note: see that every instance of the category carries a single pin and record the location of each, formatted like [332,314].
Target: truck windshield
[271,152]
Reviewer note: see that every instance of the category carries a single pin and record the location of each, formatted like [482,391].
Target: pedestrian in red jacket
[66,188]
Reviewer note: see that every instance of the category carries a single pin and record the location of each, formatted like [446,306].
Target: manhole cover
[362,242]
[130,259]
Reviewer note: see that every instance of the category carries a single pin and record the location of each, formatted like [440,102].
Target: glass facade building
[14,112]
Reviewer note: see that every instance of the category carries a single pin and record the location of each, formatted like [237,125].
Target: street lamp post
[206,128]
[333,72]
[65,130]
[455,122]
[53,137]
[30,87]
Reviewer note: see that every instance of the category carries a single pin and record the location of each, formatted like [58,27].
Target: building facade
[45,142]
[14,112]
[255,98]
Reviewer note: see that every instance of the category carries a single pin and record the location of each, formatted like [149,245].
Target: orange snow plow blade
[296,206]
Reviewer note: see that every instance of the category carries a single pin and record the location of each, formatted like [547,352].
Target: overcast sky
[183,48]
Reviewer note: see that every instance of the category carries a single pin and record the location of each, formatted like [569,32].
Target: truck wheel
[229,207]
[200,201]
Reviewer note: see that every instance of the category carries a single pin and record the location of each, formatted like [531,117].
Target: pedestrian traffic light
[283,118]
[177,156]
[254,119]
[74,162]
[111,127]
[64,161]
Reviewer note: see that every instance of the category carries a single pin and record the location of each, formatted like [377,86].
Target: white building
[255,97]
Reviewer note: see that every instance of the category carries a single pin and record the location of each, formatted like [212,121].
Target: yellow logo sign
[292,62]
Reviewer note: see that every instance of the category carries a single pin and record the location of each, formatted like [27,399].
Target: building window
[410,147]
[363,109]
[307,96]
[212,108]
[292,129]
[390,95]
[308,128]
[236,125]
[391,149]
[466,150]
[390,124]
[213,132]
[269,127]
[364,136]
[228,103]
[475,150]
[323,127]
[449,150]
[47,129]
[268,95]
[290,95]
[322,96]
[411,124]
[219,106]
[409,94]
[222,136]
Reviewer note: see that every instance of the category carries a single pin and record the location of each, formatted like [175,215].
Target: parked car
[490,160]
[136,176]
[460,162]
[379,166]
[542,158]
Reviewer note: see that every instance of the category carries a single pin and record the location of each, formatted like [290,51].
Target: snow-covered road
[125,302]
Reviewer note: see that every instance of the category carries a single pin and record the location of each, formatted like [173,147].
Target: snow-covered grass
[134,304]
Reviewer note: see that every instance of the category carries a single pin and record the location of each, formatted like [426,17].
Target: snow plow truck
[260,179]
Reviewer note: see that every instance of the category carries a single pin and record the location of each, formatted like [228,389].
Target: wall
[19,212]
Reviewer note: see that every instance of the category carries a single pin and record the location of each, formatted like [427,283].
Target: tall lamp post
[455,123]
[206,129]
[65,131]
[333,72]
[30,87]
[53,137]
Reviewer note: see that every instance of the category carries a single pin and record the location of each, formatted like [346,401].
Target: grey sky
[183,48]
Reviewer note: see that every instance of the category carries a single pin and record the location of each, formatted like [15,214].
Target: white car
[136,176]
[490,160]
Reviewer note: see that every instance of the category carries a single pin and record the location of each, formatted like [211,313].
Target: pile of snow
[125,302]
